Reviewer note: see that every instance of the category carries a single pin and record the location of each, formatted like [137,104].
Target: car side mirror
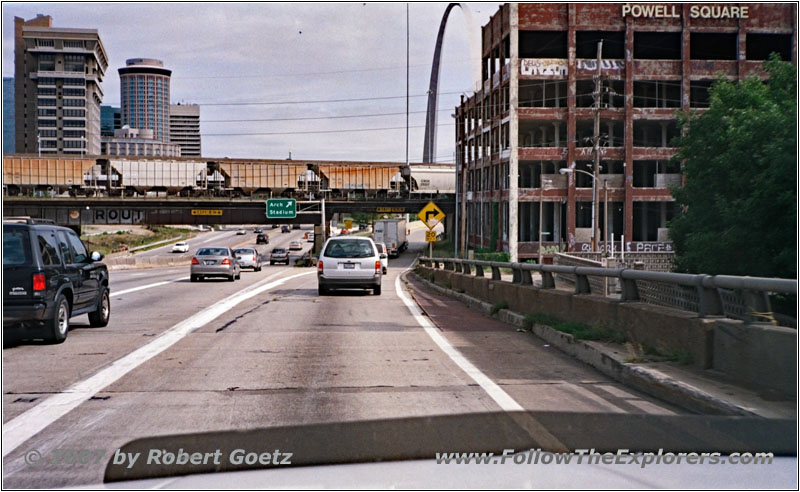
[383,255]
[97,256]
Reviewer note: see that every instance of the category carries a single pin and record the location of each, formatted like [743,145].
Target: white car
[349,262]
[384,256]
[180,247]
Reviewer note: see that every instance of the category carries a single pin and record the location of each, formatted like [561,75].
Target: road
[230,238]
[183,357]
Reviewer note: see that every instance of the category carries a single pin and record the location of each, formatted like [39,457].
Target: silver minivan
[349,263]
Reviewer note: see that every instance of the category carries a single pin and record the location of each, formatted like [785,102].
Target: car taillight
[378,266]
[226,262]
[319,266]
[194,261]
[38,281]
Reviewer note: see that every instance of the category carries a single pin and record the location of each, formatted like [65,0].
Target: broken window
[613,94]
[542,133]
[650,133]
[713,45]
[530,173]
[649,218]
[698,93]
[612,133]
[543,44]
[613,44]
[657,45]
[543,93]
[657,94]
[656,174]
[760,46]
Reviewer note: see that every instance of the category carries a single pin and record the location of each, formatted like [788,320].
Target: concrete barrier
[668,331]
[760,356]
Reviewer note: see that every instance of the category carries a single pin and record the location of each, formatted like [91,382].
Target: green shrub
[500,305]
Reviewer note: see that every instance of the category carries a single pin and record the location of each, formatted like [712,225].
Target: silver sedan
[214,262]
[248,258]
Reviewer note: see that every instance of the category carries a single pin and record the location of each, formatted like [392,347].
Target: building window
[73,44]
[48,133]
[46,43]
[46,91]
[613,94]
[760,46]
[46,112]
[48,144]
[657,94]
[657,45]
[80,82]
[75,112]
[698,93]
[46,123]
[74,92]
[543,44]
[543,93]
[74,133]
[74,102]
[713,46]
[649,133]
[47,81]
[75,123]
[46,102]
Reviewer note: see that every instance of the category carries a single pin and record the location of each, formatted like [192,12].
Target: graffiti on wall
[630,247]
[605,65]
[543,67]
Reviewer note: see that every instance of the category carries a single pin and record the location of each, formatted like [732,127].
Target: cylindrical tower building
[144,92]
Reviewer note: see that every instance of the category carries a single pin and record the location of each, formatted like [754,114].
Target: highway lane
[285,356]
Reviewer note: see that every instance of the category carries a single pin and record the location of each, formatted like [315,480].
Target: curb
[643,379]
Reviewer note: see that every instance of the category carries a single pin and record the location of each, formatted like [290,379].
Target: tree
[739,202]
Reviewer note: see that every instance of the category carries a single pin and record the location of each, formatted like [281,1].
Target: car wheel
[193,278]
[384,270]
[238,276]
[323,291]
[376,290]
[100,317]
[271,263]
[56,328]
[231,278]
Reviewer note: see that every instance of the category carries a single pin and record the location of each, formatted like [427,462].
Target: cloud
[283,52]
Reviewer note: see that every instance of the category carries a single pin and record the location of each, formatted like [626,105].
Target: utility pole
[605,218]
[598,87]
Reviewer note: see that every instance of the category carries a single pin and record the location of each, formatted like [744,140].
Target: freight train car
[26,174]
[173,177]
[433,178]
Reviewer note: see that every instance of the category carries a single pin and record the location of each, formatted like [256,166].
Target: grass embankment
[119,241]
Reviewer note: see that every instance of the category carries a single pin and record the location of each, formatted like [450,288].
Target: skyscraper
[184,128]
[110,120]
[144,92]
[8,115]
[57,87]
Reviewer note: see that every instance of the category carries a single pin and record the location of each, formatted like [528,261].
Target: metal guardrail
[709,289]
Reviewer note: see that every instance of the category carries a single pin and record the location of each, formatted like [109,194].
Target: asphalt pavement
[180,357]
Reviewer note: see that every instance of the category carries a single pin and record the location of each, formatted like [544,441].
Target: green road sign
[281,208]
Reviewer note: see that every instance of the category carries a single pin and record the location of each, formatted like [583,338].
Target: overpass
[76,212]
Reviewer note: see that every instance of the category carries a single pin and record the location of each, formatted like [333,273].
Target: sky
[288,53]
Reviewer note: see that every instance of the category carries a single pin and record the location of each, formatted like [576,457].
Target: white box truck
[392,233]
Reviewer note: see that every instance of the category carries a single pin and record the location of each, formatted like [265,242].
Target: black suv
[49,277]
[262,239]
[285,228]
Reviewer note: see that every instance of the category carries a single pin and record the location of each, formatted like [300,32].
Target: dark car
[285,228]
[258,230]
[295,226]
[49,277]
[279,255]
[262,239]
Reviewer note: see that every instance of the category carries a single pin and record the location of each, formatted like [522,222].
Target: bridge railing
[745,298]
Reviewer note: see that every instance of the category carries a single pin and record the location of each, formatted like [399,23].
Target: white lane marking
[215,238]
[532,426]
[492,389]
[148,286]
[33,421]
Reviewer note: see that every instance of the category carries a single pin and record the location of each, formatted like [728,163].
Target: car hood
[416,442]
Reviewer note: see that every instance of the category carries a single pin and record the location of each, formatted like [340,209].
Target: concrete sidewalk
[697,390]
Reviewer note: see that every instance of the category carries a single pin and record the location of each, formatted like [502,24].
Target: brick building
[524,136]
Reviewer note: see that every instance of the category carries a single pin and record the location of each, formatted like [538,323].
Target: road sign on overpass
[281,208]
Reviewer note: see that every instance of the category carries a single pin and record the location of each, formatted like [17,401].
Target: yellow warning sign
[196,211]
[430,236]
[431,215]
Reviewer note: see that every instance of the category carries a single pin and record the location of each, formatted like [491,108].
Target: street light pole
[569,170]
[597,99]
[541,214]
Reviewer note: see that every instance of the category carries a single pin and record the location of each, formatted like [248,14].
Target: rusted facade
[534,115]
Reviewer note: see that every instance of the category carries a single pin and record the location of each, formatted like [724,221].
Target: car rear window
[244,252]
[16,247]
[349,249]
[278,251]
[212,252]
